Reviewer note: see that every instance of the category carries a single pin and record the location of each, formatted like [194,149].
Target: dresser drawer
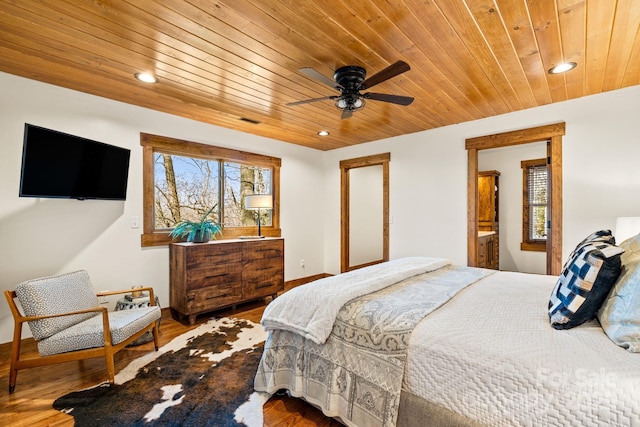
[260,270]
[214,275]
[264,249]
[215,296]
[211,255]
[261,279]
[256,289]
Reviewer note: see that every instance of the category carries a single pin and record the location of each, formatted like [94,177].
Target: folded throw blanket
[310,310]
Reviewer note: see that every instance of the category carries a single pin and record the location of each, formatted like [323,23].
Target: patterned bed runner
[356,375]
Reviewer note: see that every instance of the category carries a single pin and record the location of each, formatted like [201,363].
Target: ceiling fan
[350,80]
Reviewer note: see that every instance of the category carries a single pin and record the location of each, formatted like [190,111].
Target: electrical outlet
[103,300]
[302,263]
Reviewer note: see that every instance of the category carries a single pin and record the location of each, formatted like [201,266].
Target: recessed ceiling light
[563,67]
[146,77]
[323,133]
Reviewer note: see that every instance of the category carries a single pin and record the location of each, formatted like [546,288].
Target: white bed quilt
[311,310]
[356,374]
[491,355]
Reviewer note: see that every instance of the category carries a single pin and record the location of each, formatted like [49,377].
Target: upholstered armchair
[68,322]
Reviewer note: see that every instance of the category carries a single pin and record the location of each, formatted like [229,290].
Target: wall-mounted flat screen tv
[59,165]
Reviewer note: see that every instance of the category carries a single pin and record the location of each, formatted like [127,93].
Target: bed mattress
[491,355]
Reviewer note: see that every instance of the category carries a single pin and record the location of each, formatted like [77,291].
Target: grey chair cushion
[89,333]
[56,295]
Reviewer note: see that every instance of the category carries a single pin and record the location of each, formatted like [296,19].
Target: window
[186,180]
[534,205]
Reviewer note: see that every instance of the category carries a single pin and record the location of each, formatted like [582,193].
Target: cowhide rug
[203,377]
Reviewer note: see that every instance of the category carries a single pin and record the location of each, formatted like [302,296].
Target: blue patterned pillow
[587,277]
[597,236]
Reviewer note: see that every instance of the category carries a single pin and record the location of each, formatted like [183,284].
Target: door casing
[552,134]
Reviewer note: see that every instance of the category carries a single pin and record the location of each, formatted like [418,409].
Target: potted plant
[197,231]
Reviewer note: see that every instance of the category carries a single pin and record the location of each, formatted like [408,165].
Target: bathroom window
[534,205]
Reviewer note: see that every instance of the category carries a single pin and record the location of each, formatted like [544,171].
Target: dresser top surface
[220,242]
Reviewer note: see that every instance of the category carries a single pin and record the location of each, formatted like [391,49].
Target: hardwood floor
[37,388]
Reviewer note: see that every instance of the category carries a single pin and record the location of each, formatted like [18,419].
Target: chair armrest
[71,313]
[19,319]
[106,330]
[152,300]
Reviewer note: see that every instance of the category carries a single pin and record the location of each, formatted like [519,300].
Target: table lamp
[258,202]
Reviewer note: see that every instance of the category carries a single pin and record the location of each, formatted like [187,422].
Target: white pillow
[620,313]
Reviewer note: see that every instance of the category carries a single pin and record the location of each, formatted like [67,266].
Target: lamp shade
[627,226]
[258,201]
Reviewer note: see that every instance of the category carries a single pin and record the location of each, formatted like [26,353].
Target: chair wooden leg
[15,356]
[13,373]
[155,336]
[111,367]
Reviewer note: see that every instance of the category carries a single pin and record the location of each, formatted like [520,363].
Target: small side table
[125,304]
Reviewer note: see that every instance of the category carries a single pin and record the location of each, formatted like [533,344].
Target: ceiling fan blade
[346,113]
[310,72]
[394,99]
[307,101]
[392,70]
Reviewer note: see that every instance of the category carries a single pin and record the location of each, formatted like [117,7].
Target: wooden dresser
[221,273]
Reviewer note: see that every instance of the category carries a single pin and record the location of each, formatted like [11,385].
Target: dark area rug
[201,378]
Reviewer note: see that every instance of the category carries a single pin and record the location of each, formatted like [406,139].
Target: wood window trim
[156,143]
[528,244]
[553,135]
[533,246]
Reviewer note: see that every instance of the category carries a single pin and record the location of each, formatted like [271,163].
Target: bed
[419,341]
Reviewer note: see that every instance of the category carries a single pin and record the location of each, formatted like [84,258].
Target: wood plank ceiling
[234,62]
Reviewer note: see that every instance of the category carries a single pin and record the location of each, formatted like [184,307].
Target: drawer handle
[264,285]
[219,296]
[217,275]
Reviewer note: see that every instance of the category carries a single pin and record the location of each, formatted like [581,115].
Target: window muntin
[183,181]
[534,205]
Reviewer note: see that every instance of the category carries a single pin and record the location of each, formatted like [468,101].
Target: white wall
[428,184]
[42,237]
[507,161]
